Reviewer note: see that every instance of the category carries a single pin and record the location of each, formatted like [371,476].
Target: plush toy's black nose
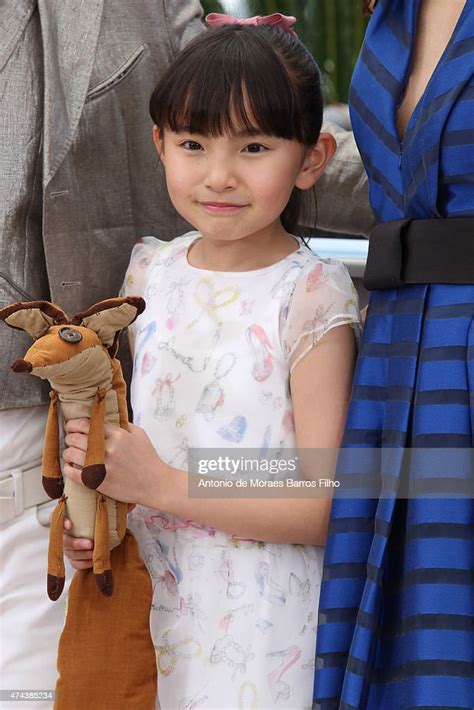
[22,366]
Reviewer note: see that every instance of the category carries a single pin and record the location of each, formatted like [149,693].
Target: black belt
[420,251]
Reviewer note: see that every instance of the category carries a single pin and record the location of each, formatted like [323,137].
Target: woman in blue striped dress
[397,604]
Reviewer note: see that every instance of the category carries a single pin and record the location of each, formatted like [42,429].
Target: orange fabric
[50,350]
[56,571]
[120,387]
[51,462]
[106,655]
[55,550]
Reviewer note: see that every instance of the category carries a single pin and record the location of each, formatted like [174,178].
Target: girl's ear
[316,160]
[158,141]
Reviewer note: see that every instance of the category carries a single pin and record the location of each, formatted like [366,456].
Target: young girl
[248,342]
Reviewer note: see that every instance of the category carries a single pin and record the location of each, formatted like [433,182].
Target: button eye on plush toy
[70,335]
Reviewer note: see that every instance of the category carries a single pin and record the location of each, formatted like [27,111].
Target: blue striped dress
[397,603]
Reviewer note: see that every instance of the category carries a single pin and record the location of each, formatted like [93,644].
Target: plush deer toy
[77,356]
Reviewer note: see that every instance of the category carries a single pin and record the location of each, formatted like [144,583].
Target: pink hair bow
[284,22]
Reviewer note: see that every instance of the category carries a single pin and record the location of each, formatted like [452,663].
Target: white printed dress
[233,620]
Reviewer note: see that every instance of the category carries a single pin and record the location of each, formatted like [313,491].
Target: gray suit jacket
[102,186]
[342,191]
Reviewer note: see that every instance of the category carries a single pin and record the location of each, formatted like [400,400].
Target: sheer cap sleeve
[138,269]
[324,297]
[140,260]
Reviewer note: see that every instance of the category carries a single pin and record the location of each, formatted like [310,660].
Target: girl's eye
[255,148]
[191,145]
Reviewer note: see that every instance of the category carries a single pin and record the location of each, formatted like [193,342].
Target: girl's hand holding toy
[121,454]
[125,451]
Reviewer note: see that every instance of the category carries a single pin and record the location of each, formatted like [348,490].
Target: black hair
[261,76]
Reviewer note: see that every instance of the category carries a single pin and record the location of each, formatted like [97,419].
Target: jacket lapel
[14,17]
[70,32]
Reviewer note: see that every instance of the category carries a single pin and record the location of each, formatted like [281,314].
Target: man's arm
[342,191]
[183,18]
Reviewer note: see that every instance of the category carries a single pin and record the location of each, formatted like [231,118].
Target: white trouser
[30,624]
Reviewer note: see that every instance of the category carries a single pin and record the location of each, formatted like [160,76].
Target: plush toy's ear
[33,316]
[108,318]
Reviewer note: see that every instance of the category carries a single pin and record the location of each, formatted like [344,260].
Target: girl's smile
[222,208]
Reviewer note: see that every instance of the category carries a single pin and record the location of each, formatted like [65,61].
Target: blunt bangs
[233,79]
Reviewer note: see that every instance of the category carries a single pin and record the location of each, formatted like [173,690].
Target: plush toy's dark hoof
[55,587]
[92,476]
[54,487]
[105,582]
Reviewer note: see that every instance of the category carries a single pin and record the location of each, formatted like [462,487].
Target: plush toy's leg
[53,482]
[56,571]
[93,472]
[106,658]
[120,388]
[101,554]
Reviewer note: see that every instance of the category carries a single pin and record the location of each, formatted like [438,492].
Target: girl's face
[234,186]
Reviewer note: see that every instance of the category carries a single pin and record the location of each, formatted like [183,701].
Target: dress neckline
[413,28]
[258,272]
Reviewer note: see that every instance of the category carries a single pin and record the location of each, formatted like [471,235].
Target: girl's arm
[320,387]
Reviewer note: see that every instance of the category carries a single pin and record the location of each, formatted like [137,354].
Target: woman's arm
[320,387]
